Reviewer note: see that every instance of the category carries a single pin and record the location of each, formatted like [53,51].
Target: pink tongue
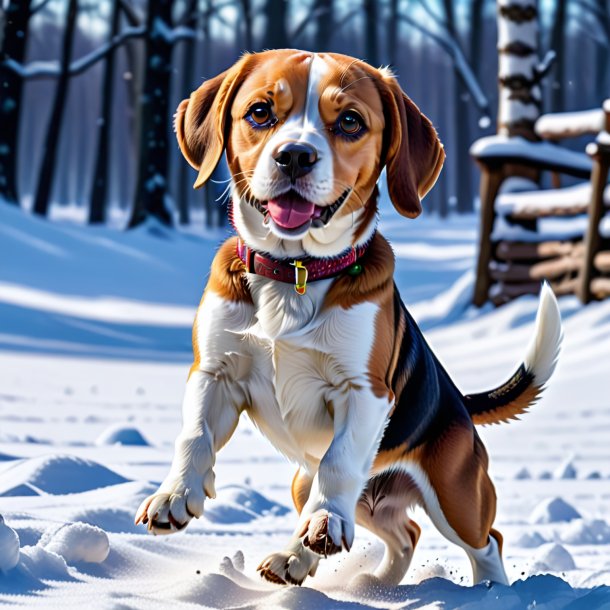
[290,211]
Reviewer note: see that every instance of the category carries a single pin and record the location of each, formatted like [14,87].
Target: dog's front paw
[326,532]
[287,567]
[176,502]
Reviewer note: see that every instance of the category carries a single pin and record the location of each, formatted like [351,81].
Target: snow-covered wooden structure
[528,234]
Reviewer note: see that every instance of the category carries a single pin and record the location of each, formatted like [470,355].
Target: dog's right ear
[202,122]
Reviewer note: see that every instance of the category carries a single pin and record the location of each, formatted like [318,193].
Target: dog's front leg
[328,517]
[214,398]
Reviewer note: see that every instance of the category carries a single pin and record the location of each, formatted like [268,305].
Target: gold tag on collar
[300,277]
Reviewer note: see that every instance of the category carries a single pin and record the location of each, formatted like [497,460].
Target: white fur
[543,350]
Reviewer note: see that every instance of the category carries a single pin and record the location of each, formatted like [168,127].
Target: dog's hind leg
[460,498]
[293,564]
[382,510]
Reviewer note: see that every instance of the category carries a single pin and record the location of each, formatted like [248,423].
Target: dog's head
[306,137]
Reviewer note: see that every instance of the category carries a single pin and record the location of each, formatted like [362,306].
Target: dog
[302,327]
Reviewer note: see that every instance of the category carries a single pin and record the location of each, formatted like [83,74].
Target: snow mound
[554,510]
[594,476]
[566,470]
[530,540]
[9,547]
[5,457]
[56,475]
[584,531]
[523,474]
[115,520]
[554,557]
[122,435]
[239,504]
[77,542]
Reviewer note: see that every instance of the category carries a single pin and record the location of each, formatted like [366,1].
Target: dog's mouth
[292,213]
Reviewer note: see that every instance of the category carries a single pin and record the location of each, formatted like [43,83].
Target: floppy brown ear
[202,122]
[414,154]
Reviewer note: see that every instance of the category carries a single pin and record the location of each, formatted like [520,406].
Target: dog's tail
[525,386]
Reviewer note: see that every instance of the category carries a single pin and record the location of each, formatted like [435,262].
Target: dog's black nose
[295,159]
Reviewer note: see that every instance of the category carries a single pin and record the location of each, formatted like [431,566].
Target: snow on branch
[168,34]
[51,69]
[462,67]
[38,8]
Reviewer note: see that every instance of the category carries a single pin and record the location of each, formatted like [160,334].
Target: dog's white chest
[305,359]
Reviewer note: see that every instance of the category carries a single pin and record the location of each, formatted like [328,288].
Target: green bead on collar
[355,269]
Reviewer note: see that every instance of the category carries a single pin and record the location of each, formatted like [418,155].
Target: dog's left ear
[414,154]
[202,122]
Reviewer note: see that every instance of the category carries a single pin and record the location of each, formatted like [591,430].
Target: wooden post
[600,153]
[491,179]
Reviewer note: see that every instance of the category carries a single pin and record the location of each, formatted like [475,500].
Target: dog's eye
[350,123]
[260,115]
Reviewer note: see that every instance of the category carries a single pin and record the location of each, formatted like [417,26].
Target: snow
[80,379]
[584,531]
[122,435]
[544,153]
[541,201]
[554,557]
[553,510]
[77,542]
[561,123]
[9,547]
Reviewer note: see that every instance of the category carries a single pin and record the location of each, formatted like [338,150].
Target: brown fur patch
[375,283]
[301,486]
[510,411]
[456,464]
[227,280]
[227,275]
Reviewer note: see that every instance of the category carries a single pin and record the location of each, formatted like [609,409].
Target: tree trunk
[392,30]
[460,108]
[99,187]
[275,13]
[185,172]
[519,89]
[151,190]
[49,151]
[601,55]
[325,20]
[246,9]
[557,45]
[476,35]
[14,43]
[370,25]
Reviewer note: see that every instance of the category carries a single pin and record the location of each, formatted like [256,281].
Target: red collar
[299,272]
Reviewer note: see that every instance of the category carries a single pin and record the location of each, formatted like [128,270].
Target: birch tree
[519,68]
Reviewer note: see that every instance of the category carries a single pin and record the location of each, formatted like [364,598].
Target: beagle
[302,327]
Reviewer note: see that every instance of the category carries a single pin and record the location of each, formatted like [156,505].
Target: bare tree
[371,42]
[557,44]
[151,193]
[325,20]
[99,185]
[49,148]
[276,12]
[392,26]
[519,70]
[14,42]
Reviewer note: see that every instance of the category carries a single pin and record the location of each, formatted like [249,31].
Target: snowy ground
[94,351]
